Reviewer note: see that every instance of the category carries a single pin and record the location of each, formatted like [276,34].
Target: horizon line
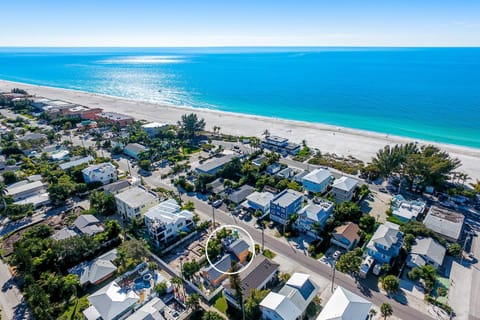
[253,46]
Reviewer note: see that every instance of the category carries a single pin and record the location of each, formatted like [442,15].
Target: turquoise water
[422,93]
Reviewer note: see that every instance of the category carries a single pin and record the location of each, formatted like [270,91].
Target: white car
[336,255]
[217,203]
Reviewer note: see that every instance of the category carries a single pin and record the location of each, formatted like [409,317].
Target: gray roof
[241,194]
[286,198]
[34,136]
[317,212]
[135,197]
[224,264]
[318,176]
[445,222]
[77,162]
[215,163]
[258,271]
[149,311]
[260,198]
[217,185]
[64,233]
[387,234]
[97,269]
[345,183]
[116,186]
[84,220]
[430,248]
[238,246]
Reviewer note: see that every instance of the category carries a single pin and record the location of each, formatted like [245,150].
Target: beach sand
[339,140]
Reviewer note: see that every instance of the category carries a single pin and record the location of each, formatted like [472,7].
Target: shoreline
[343,141]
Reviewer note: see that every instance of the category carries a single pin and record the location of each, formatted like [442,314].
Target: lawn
[269,254]
[221,304]
[441,282]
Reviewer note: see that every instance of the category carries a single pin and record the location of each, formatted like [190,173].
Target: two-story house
[343,189]
[291,302]
[426,251]
[134,202]
[317,180]
[346,236]
[103,172]
[313,217]
[166,220]
[285,204]
[385,243]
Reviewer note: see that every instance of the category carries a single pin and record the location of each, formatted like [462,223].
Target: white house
[291,302]
[406,210]
[110,303]
[260,201]
[25,192]
[445,222]
[133,150]
[317,180]
[154,128]
[343,189]
[345,305]
[313,215]
[165,220]
[149,311]
[134,202]
[103,172]
[426,251]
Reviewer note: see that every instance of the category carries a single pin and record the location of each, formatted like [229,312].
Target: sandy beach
[327,138]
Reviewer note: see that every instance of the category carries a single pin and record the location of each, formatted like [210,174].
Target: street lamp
[181,266]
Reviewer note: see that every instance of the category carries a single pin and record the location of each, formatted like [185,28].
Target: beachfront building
[343,189]
[259,201]
[445,222]
[166,220]
[213,166]
[313,217]
[426,251]
[385,243]
[291,302]
[104,173]
[345,305]
[405,210]
[115,118]
[285,204]
[96,271]
[261,274]
[133,150]
[154,128]
[346,236]
[317,181]
[111,302]
[280,145]
[134,202]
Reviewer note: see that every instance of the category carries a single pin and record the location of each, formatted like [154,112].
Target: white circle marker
[231,226]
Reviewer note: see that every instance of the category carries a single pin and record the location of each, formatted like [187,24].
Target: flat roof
[286,198]
[216,163]
[135,197]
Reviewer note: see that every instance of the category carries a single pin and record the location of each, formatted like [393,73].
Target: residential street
[281,247]
[11,299]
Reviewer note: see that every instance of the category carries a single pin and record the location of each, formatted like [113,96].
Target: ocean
[422,93]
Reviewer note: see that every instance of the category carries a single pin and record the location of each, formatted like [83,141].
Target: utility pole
[333,275]
[263,239]
[213,214]
[463,248]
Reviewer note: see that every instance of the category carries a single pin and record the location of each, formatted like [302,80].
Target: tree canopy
[190,125]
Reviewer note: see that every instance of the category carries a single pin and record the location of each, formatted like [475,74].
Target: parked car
[336,255]
[217,203]
[383,190]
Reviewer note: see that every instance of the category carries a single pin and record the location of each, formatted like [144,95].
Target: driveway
[11,299]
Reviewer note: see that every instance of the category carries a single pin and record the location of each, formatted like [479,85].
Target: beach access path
[333,139]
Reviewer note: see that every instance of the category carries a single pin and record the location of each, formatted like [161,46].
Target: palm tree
[266,133]
[386,310]
[193,302]
[372,313]
[178,283]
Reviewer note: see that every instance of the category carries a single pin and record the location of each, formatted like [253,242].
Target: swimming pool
[141,284]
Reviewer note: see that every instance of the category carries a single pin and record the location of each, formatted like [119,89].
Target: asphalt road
[373,295]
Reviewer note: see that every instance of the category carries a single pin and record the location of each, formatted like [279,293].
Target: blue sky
[240,23]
